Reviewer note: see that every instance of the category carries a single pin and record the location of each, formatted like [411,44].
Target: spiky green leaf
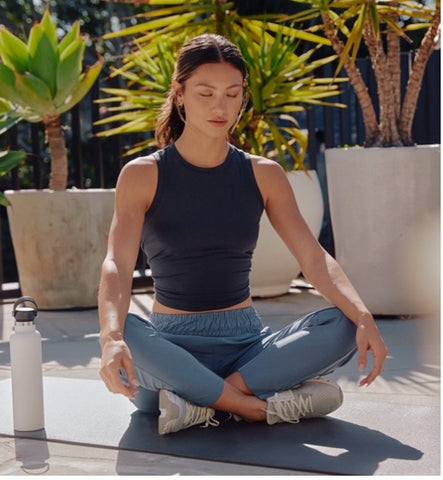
[9,159]
[8,118]
[7,85]
[86,80]
[69,38]
[68,70]
[43,57]
[13,51]
[34,93]
[49,28]
[5,107]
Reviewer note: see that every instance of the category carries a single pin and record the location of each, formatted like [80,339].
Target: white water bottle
[26,369]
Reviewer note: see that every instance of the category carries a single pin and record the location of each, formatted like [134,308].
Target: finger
[111,377]
[362,358]
[368,380]
[118,386]
[376,370]
[130,372]
[131,383]
[128,391]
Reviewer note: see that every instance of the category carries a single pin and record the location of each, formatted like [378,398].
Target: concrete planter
[273,265]
[385,211]
[60,241]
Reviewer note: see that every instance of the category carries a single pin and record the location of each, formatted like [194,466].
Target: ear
[177,88]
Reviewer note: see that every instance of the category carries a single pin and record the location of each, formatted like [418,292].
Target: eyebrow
[203,84]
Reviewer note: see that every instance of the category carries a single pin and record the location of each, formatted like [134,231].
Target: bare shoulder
[139,167]
[137,181]
[264,167]
[268,174]
[140,171]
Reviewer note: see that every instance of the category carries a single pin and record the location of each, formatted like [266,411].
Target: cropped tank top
[201,230]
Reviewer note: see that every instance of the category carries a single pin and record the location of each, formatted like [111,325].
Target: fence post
[76,146]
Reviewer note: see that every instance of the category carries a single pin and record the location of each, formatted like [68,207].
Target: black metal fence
[96,162]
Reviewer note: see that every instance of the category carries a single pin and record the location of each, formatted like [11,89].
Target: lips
[218,123]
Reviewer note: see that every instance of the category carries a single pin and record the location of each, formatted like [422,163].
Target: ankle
[255,411]
[248,407]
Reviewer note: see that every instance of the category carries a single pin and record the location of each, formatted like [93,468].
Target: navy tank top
[201,230]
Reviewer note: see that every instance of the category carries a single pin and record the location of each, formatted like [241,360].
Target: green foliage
[42,78]
[281,82]
[382,28]
[9,160]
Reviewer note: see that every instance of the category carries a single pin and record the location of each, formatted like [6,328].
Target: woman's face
[212,97]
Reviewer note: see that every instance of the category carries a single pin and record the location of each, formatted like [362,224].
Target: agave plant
[280,81]
[44,78]
[380,25]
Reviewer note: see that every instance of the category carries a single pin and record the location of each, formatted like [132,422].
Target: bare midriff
[159,308]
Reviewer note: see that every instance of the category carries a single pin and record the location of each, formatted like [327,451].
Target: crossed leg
[314,345]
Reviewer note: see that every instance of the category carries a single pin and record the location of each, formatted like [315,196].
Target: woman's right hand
[116,356]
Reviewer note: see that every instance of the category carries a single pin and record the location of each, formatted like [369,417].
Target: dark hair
[206,48]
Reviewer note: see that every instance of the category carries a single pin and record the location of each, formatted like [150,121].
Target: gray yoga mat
[361,438]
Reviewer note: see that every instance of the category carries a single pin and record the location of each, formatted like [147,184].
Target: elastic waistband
[213,324]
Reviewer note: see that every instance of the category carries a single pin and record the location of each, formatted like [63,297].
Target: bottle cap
[22,313]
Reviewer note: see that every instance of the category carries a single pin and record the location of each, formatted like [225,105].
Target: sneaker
[177,414]
[314,398]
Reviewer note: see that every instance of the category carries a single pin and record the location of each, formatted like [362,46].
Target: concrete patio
[71,351]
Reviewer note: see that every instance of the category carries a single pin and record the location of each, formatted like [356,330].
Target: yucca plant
[380,25]
[280,81]
[44,78]
[280,84]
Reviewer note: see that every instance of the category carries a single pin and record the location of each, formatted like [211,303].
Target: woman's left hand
[368,338]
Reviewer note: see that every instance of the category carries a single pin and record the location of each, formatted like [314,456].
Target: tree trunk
[416,76]
[57,147]
[393,54]
[388,123]
[372,131]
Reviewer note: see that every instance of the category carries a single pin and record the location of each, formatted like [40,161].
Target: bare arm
[134,193]
[320,268]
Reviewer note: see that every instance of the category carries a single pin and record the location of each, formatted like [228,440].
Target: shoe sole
[163,404]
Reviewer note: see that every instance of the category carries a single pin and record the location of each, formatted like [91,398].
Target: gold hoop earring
[181,111]
[242,111]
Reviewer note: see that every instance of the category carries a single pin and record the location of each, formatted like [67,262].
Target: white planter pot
[273,265]
[385,211]
[60,241]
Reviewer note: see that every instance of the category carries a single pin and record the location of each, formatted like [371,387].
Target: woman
[195,205]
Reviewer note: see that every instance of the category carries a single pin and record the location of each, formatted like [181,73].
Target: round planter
[385,210]
[273,265]
[60,241]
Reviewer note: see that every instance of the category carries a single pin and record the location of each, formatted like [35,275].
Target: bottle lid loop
[24,314]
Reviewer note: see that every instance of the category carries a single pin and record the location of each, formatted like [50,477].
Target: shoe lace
[292,409]
[197,415]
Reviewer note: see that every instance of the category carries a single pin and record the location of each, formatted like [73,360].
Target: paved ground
[71,350]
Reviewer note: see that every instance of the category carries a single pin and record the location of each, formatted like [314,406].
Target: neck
[203,152]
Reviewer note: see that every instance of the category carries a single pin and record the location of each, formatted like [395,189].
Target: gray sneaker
[314,398]
[177,414]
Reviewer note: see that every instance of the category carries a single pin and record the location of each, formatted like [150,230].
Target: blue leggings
[191,354]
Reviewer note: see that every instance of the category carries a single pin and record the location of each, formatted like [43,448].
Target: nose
[220,105]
